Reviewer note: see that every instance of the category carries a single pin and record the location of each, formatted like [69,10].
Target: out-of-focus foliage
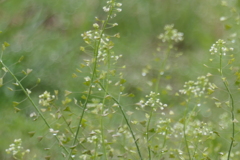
[47,34]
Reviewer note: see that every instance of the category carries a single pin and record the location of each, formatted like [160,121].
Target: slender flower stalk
[170,36]
[96,47]
[232,104]
[148,138]
[220,48]
[103,104]
[126,120]
[184,132]
[33,104]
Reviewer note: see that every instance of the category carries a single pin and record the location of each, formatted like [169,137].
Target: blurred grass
[47,34]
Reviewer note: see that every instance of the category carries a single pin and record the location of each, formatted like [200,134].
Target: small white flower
[33,114]
[106,9]
[45,99]
[87,78]
[223,18]
[53,131]
[28,91]
[95,25]
[119,4]
[119,9]
[115,24]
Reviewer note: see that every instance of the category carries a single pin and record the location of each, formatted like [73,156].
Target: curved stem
[148,139]
[95,60]
[125,118]
[184,132]
[232,105]
[33,103]
[96,148]
[164,143]
[102,110]
[162,67]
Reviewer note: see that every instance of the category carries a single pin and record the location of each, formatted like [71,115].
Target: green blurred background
[47,34]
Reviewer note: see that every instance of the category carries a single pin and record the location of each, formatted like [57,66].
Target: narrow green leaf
[17,109]
[10,89]
[1,82]
[122,81]
[6,44]
[15,104]
[227,27]
[217,133]
[40,138]
[74,75]
[31,134]
[72,147]
[38,80]
[67,109]
[67,93]
[87,152]
[21,58]
[131,95]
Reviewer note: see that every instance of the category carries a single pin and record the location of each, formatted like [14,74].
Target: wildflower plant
[153,104]
[102,65]
[94,121]
[27,92]
[225,58]
[192,127]
[17,150]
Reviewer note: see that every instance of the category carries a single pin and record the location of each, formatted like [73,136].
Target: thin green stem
[184,132]
[125,118]
[164,143]
[157,91]
[165,138]
[33,103]
[95,60]
[96,149]
[103,104]
[148,139]
[232,105]
[162,68]
[1,55]
[85,104]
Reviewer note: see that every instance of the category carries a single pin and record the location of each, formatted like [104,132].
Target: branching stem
[125,118]
[232,105]
[95,62]
[33,103]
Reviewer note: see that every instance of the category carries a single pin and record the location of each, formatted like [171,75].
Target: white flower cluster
[97,36]
[177,130]
[91,36]
[106,44]
[45,99]
[197,88]
[114,5]
[171,34]
[220,48]
[152,101]
[95,25]
[163,128]
[16,149]
[93,136]
[201,128]
[194,128]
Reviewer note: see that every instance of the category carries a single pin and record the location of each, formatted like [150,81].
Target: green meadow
[116,80]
